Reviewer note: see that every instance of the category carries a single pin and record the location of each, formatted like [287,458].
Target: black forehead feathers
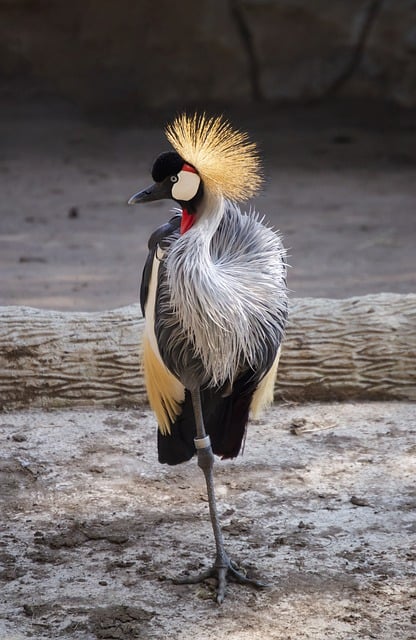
[167,164]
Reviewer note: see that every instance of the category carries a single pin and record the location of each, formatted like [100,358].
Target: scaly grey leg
[223,565]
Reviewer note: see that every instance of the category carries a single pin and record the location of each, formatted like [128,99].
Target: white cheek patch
[187,186]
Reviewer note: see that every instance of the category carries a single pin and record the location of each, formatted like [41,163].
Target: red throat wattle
[187,218]
[187,221]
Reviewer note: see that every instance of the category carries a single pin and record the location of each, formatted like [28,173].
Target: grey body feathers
[221,302]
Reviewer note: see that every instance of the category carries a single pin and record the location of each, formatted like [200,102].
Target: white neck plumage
[208,217]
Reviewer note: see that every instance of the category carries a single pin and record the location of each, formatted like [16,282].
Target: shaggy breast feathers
[222,307]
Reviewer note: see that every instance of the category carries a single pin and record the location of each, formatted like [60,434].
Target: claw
[221,572]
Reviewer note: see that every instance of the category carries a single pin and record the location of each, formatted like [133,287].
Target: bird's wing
[264,393]
[225,416]
[164,391]
[157,238]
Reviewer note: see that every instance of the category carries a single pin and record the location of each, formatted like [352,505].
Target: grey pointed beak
[156,191]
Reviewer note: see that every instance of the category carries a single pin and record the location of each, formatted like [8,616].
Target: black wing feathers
[155,239]
[178,446]
[225,421]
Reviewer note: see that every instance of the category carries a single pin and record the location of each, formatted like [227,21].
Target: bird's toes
[240,576]
[193,579]
[222,584]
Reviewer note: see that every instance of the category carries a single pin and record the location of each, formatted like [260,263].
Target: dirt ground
[322,503]
[321,506]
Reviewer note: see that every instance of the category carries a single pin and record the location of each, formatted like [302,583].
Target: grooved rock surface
[358,348]
[140,54]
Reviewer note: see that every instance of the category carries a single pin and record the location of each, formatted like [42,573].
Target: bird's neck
[206,220]
[192,281]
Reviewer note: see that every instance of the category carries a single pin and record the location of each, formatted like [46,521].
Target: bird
[214,298]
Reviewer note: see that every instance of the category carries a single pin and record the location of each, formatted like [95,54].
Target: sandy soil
[321,505]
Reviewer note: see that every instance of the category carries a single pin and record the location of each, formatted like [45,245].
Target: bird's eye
[174,178]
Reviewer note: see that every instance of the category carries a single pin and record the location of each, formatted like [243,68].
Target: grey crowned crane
[213,294]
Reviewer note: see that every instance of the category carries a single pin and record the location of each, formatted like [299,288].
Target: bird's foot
[222,569]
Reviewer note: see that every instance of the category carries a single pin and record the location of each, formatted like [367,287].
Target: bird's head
[209,157]
[173,179]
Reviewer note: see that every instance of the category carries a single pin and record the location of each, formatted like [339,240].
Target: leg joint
[202,443]
[205,458]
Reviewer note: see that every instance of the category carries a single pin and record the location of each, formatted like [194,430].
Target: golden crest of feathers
[225,158]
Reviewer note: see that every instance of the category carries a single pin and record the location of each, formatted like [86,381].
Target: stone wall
[146,54]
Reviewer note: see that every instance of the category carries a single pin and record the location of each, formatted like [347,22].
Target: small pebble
[296,424]
[35,259]
[73,212]
[96,469]
[359,502]
[19,437]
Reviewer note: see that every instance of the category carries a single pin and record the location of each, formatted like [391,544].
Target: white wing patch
[187,186]
[164,391]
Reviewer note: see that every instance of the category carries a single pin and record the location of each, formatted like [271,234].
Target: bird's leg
[223,565]
[206,464]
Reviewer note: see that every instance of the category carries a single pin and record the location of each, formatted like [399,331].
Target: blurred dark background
[142,54]
[327,88]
